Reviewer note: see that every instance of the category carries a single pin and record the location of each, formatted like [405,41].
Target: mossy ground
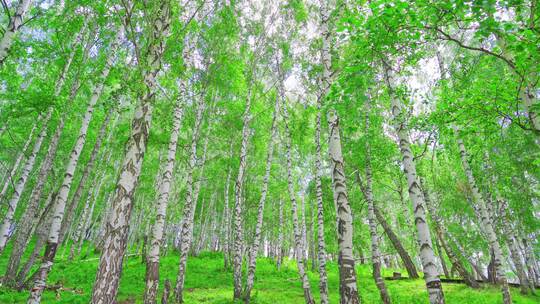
[208,282]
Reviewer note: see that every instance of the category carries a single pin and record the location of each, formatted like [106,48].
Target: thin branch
[479,49]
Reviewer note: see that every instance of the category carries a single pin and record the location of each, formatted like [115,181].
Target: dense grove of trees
[401,133]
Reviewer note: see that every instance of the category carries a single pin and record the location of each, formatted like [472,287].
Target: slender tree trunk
[116,230]
[531,263]
[260,212]
[513,246]
[396,243]
[486,223]
[61,199]
[237,211]
[279,250]
[85,215]
[43,225]
[441,232]
[21,183]
[20,156]
[226,222]
[347,274]
[323,277]
[296,229]
[15,23]
[441,255]
[372,221]
[427,256]
[72,206]
[156,240]
[190,206]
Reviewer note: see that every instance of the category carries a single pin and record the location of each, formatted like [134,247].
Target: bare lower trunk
[238,196]
[347,274]
[72,206]
[396,243]
[513,247]
[485,223]
[226,223]
[427,255]
[441,235]
[372,221]
[260,212]
[21,183]
[43,225]
[189,207]
[156,240]
[296,229]
[116,230]
[279,259]
[11,175]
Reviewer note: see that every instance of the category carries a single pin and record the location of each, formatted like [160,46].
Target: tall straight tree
[485,220]
[191,202]
[116,231]
[372,221]
[252,261]
[297,234]
[238,196]
[427,255]
[156,239]
[21,183]
[63,193]
[348,291]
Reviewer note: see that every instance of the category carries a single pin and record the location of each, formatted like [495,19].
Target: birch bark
[260,212]
[72,206]
[14,24]
[372,221]
[116,231]
[237,211]
[485,222]
[63,193]
[427,255]
[292,196]
[156,240]
[190,206]
[21,183]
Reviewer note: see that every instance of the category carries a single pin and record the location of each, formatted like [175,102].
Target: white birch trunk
[156,239]
[427,255]
[116,231]
[226,222]
[485,223]
[190,206]
[74,203]
[21,183]
[237,211]
[296,228]
[372,220]
[260,212]
[13,172]
[14,24]
[63,193]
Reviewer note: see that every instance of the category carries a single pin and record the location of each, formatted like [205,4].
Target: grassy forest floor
[208,282]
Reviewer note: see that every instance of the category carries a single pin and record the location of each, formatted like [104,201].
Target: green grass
[208,282]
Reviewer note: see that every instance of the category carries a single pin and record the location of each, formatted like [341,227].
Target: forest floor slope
[208,282]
